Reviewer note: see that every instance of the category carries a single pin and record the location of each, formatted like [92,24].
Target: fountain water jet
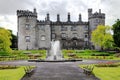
[55,52]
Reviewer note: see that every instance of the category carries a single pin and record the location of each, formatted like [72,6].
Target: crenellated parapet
[26,13]
[96,14]
[69,23]
[43,22]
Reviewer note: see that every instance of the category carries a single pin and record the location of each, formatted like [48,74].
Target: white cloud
[9,22]
[8,16]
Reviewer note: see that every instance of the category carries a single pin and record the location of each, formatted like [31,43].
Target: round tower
[26,22]
[94,20]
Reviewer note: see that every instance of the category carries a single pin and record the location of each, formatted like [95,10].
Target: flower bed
[107,64]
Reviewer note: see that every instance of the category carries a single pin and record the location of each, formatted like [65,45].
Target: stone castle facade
[36,34]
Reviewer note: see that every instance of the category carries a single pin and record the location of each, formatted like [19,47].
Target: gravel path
[57,70]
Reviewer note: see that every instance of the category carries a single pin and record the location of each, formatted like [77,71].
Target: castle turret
[95,19]
[89,12]
[26,29]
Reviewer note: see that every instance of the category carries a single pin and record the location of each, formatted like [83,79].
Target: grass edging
[106,73]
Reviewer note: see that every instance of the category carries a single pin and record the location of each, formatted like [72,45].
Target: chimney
[58,17]
[48,18]
[99,10]
[80,18]
[35,10]
[68,17]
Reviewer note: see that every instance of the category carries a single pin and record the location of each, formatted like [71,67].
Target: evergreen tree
[116,33]
[13,40]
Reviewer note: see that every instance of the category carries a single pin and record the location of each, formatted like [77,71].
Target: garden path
[57,70]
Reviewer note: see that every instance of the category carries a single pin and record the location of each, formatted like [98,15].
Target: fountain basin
[72,60]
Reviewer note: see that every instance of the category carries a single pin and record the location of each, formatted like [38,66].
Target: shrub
[4,53]
[8,66]
[100,54]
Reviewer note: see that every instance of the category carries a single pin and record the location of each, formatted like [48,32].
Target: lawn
[12,74]
[89,54]
[107,73]
[22,54]
[25,52]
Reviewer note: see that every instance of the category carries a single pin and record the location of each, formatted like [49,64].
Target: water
[55,52]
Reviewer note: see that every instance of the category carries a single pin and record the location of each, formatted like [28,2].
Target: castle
[37,34]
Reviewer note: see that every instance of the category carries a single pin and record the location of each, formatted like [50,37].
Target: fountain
[55,52]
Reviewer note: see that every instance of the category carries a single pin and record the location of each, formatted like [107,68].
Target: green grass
[12,74]
[41,52]
[107,73]
[21,55]
[90,54]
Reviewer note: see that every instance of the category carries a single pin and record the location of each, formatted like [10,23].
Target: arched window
[73,28]
[43,37]
[63,28]
[63,35]
[53,35]
[75,35]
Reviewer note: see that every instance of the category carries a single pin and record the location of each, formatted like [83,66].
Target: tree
[13,40]
[102,37]
[116,33]
[5,40]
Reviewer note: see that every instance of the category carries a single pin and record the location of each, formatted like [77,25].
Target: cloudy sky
[8,8]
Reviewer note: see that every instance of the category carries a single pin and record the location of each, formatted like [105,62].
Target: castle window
[27,38]
[53,35]
[75,35]
[73,28]
[27,26]
[63,35]
[53,28]
[86,43]
[97,21]
[27,19]
[86,27]
[63,28]
[42,28]
[86,35]
[43,37]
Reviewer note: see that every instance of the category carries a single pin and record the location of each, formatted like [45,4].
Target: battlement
[43,22]
[96,14]
[26,13]
[69,23]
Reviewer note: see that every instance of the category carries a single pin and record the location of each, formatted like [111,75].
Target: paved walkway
[57,71]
